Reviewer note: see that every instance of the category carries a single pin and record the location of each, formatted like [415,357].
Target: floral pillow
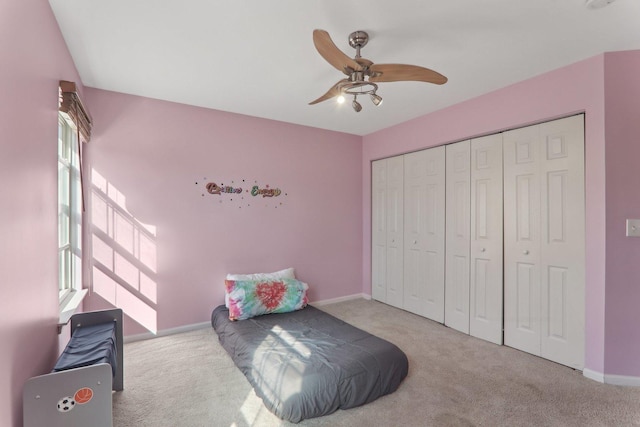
[250,298]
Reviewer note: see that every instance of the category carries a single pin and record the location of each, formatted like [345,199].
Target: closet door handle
[482,249]
[526,252]
[415,242]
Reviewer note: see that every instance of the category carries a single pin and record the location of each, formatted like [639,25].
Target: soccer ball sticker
[66,404]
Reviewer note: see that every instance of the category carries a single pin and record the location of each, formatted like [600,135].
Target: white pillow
[287,273]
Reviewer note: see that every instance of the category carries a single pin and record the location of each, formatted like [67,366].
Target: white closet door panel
[485,309]
[562,260]
[424,233]
[414,225]
[522,239]
[379,272]
[378,230]
[434,238]
[544,240]
[457,236]
[395,231]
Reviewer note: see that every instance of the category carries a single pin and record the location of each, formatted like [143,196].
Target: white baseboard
[203,325]
[164,333]
[623,380]
[341,299]
[593,375]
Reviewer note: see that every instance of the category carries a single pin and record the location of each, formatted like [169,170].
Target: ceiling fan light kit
[376,99]
[355,104]
[362,74]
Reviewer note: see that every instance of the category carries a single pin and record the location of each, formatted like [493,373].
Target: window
[74,126]
[69,210]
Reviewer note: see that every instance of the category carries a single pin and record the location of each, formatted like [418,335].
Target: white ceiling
[256,57]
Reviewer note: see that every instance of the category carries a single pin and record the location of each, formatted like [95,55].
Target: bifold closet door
[387,230]
[562,255]
[379,230]
[485,308]
[458,177]
[522,239]
[544,240]
[395,231]
[424,206]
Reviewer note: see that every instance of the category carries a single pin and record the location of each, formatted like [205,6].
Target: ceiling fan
[362,74]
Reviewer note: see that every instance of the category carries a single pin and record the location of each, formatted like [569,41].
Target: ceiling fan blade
[364,62]
[330,52]
[334,91]
[401,72]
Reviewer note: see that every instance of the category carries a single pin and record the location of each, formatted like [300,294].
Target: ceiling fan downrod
[358,85]
[358,39]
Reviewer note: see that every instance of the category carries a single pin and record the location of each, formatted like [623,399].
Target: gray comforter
[308,363]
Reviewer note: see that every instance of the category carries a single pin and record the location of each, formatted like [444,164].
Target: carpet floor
[189,380]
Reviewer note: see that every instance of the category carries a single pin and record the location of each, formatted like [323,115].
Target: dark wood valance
[71,105]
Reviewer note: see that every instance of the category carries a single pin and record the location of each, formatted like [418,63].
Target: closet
[473,284]
[487,237]
[424,198]
[458,239]
[544,233]
[388,230]
[408,232]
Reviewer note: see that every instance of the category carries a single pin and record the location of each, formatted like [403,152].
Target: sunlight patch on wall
[101,251]
[148,287]
[120,297]
[124,254]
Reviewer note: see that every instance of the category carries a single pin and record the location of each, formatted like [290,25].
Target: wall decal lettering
[228,193]
[265,192]
[214,188]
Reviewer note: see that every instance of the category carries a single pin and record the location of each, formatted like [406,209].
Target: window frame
[70,219]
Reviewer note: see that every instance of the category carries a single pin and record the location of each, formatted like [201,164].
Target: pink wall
[575,88]
[622,99]
[153,152]
[34,58]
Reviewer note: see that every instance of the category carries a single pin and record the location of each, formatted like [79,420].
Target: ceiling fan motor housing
[358,39]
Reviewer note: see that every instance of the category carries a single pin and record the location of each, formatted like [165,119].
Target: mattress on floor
[307,363]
